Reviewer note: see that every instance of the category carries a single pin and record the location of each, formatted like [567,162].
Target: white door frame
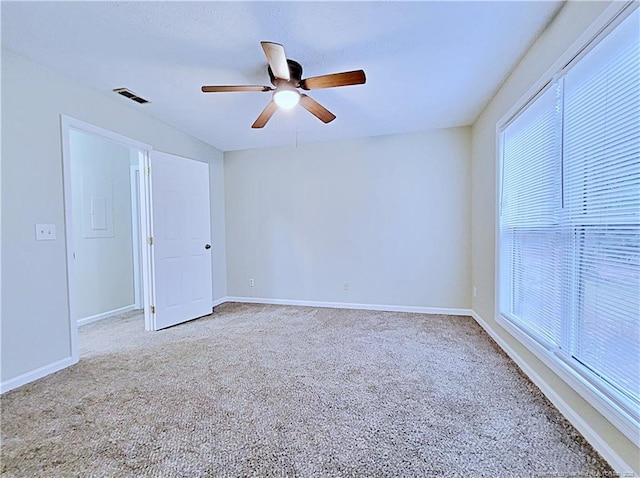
[136,232]
[67,123]
[146,226]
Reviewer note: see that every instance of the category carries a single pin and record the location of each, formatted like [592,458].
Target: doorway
[105,226]
[158,253]
[105,223]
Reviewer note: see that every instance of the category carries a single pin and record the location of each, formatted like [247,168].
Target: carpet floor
[279,391]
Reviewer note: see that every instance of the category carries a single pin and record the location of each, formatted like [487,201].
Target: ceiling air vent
[131,95]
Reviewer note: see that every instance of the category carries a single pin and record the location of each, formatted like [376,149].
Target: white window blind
[602,207]
[529,234]
[569,218]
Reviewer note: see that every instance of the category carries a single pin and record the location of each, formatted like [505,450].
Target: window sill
[619,417]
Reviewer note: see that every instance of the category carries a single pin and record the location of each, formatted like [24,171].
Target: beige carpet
[289,391]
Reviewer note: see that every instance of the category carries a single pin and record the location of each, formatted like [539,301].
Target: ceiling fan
[286,76]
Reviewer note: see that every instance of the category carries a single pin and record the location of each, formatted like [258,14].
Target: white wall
[389,215]
[35,309]
[103,262]
[569,24]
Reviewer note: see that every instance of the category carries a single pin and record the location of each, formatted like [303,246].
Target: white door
[181,232]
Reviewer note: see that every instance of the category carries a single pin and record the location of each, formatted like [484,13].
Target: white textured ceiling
[428,64]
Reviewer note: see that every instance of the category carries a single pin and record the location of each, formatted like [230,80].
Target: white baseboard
[36,374]
[589,433]
[104,315]
[219,301]
[349,305]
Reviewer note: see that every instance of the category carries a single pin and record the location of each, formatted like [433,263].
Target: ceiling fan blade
[277,59]
[346,78]
[266,115]
[316,109]
[224,89]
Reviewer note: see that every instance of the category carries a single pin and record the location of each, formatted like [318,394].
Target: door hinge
[153,309]
[150,241]
[148,170]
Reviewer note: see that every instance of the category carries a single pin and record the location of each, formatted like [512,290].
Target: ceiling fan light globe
[286,99]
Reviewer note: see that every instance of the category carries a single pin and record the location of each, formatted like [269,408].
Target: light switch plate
[45,232]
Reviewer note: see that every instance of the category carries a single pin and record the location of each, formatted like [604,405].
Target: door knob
[207,246]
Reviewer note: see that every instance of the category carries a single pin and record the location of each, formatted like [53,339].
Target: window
[569,217]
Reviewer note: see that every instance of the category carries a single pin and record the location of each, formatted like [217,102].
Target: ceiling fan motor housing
[295,74]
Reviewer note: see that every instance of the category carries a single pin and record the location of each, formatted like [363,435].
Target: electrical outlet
[345,286]
[252,282]
[475,291]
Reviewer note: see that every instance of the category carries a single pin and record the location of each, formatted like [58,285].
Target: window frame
[618,412]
